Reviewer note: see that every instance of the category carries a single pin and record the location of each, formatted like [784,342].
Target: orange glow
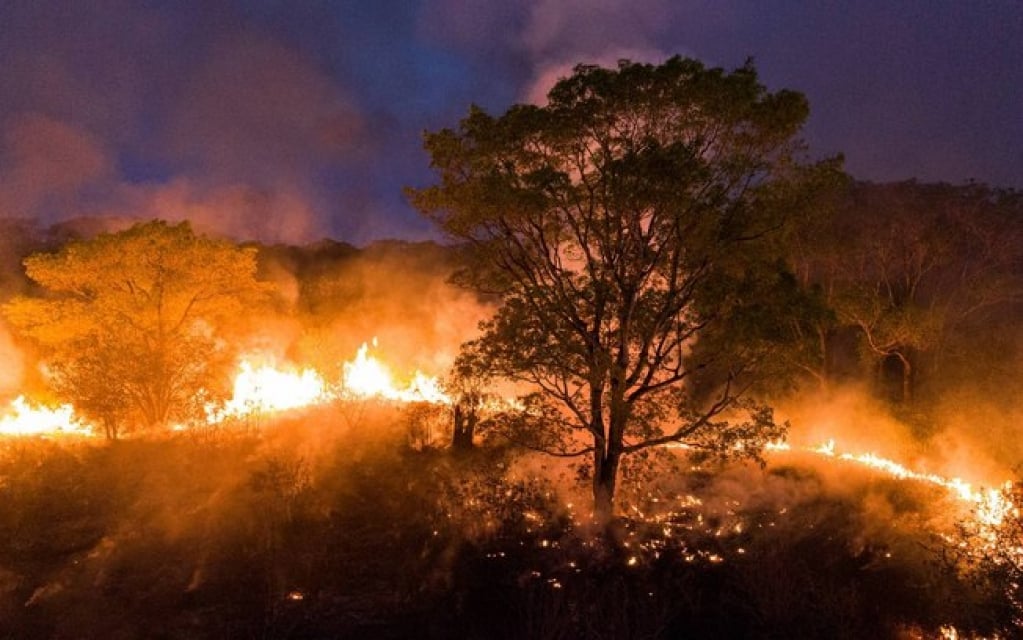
[366,376]
[258,389]
[272,389]
[266,389]
[990,505]
[23,419]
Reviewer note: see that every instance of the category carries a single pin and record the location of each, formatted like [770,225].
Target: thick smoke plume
[235,132]
[12,366]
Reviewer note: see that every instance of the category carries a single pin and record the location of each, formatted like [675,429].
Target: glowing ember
[22,418]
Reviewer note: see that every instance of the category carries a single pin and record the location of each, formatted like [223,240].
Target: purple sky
[286,120]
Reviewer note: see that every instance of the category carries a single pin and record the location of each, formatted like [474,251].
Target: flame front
[22,418]
[263,389]
[257,389]
[270,389]
[266,389]
[365,376]
[990,506]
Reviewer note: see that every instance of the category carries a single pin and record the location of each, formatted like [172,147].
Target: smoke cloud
[394,293]
[12,366]
[49,166]
[285,122]
[121,110]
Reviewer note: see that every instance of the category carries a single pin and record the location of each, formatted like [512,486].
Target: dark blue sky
[289,120]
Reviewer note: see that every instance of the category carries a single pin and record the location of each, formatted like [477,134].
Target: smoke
[12,365]
[49,166]
[556,39]
[397,293]
[851,416]
[261,123]
[259,112]
[981,428]
[315,109]
[549,73]
[120,110]
[272,214]
[549,38]
[953,438]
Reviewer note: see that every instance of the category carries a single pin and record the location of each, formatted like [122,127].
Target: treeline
[916,291]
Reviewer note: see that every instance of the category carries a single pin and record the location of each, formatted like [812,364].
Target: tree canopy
[132,323]
[629,227]
[914,270]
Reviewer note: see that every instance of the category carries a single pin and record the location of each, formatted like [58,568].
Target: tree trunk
[907,377]
[605,475]
[823,379]
[464,428]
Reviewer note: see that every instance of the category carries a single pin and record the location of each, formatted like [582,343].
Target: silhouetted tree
[628,227]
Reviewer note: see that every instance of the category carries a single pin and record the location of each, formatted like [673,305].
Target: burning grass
[325,524]
[23,417]
[309,504]
[260,388]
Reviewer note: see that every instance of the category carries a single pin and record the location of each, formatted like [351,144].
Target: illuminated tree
[629,228]
[915,268]
[132,324]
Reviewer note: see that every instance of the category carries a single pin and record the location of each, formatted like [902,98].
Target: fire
[266,389]
[257,389]
[990,506]
[365,376]
[22,418]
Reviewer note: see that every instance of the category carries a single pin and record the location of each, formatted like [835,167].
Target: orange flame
[266,389]
[365,376]
[22,419]
[990,506]
[271,389]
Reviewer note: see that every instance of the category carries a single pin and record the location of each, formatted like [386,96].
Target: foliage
[915,268]
[133,324]
[629,228]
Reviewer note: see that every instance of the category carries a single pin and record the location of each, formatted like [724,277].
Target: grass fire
[659,375]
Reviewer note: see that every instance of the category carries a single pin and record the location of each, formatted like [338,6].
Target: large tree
[132,324]
[629,228]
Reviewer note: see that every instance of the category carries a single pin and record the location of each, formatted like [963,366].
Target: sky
[290,121]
